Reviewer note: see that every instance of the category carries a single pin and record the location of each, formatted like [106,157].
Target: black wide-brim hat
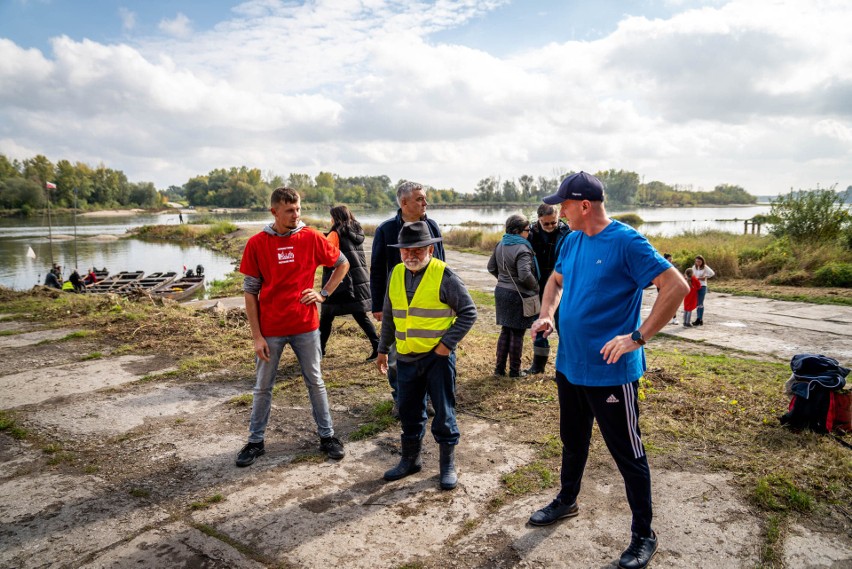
[415,234]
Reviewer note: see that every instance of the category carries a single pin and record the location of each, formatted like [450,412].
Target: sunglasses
[525,229]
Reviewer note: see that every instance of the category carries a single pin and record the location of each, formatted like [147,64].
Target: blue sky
[689,92]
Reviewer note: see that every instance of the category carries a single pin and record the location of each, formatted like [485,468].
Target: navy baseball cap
[579,186]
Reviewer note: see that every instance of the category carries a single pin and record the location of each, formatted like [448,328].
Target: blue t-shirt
[602,281]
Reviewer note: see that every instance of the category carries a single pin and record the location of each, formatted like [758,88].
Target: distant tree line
[22,186]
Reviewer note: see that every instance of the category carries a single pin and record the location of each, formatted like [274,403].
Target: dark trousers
[360,317]
[435,375]
[617,411]
[510,345]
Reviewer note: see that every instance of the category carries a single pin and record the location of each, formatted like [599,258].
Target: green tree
[528,189]
[325,180]
[486,190]
[21,193]
[814,216]
[510,191]
[621,185]
[8,169]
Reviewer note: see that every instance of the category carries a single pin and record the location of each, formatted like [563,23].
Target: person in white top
[702,272]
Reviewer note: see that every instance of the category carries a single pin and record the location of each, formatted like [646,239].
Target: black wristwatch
[324,294]
[636,336]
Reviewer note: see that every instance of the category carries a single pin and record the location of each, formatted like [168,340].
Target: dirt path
[168,494]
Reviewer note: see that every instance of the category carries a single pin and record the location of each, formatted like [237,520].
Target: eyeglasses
[525,229]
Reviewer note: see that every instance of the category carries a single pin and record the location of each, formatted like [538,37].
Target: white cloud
[128,19]
[179,27]
[712,95]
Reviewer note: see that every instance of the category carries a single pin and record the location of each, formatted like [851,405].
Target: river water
[97,244]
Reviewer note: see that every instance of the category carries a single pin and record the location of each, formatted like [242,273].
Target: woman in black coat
[352,296]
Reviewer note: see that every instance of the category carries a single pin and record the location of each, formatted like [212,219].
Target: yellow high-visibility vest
[422,324]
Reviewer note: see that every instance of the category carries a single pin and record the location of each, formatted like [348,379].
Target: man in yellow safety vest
[427,311]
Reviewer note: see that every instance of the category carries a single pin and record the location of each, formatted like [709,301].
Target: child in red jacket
[690,301]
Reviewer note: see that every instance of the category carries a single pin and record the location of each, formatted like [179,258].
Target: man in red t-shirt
[279,265]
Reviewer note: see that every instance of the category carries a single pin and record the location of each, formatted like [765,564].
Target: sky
[693,93]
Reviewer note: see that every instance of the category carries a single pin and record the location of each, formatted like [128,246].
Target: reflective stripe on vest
[421,325]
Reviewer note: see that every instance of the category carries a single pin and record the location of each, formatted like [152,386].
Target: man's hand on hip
[617,347]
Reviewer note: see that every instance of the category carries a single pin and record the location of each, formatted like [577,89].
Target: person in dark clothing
[76,281]
[513,263]
[546,236]
[52,279]
[411,198]
[353,294]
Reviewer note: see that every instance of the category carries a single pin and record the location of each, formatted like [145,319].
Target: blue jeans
[307,349]
[435,375]
[699,312]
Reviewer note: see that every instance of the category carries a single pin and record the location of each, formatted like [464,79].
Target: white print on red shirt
[286,255]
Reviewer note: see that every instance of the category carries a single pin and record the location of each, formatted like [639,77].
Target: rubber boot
[449,478]
[538,364]
[408,464]
[541,351]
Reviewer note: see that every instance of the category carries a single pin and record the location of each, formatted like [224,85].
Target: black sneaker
[250,452]
[430,409]
[639,552]
[554,511]
[332,447]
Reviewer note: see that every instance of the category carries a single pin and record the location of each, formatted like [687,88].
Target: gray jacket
[514,263]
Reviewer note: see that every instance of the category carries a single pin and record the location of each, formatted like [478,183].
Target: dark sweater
[453,293]
[385,258]
[546,246]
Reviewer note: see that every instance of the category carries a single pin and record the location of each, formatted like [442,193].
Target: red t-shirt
[287,266]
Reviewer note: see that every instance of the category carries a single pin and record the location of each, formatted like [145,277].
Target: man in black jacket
[546,237]
[411,198]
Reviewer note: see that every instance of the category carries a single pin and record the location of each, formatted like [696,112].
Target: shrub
[466,238]
[812,216]
[834,274]
[631,219]
[796,277]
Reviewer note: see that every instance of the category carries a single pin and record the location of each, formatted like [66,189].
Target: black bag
[810,413]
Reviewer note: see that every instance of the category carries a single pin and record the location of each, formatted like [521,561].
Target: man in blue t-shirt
[597,285]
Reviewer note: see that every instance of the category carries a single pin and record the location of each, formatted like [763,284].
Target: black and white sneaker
[332,447]
[250,452]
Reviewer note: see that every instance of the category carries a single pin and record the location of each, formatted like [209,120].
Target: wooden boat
[148,283]
[115,283]
[180,289]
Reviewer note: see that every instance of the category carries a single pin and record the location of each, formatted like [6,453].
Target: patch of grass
[527,479]
[231,285]
[207,502]
[481,298]
[309,457]
[551,447]
[380,419]
[77,335]
[91,468]
[91,356]
[10,332]
[770,554]
[8,426]
[244,400]
[139,492]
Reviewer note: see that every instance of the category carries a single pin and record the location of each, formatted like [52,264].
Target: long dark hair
[341,217]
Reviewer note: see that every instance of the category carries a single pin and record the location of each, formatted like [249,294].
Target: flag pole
[49,224]
[76,265]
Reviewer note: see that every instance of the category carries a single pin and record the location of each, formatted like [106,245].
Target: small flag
[30,253]
[50,185]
